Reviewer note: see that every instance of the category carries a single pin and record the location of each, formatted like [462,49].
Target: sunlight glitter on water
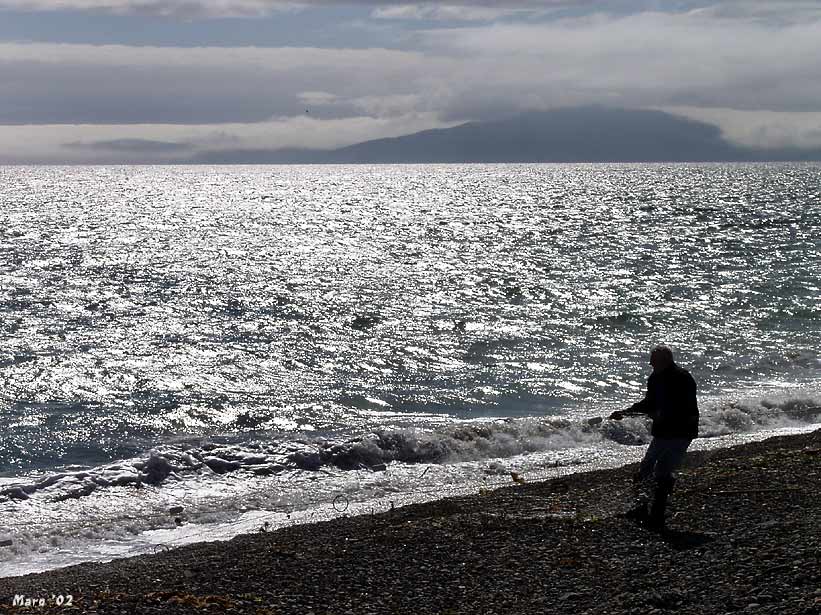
[167,307]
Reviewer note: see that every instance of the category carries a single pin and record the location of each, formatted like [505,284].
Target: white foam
[219,510]
[178,493]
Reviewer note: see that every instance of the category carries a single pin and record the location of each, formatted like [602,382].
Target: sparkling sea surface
[274,316]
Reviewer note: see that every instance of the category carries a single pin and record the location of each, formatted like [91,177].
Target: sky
[97,81]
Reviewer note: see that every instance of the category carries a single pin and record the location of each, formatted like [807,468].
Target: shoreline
[401,486]
[743,532]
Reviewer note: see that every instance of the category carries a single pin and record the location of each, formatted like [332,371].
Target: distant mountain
[579,134]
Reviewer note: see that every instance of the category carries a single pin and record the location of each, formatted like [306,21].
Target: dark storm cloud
[643,60]
[75,84]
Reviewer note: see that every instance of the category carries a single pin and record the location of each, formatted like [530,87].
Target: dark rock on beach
[743,538]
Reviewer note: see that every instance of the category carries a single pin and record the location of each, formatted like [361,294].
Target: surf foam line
[122,521]
[459,442]
[102,539]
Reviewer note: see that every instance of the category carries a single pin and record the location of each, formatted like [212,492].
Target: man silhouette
[671,402]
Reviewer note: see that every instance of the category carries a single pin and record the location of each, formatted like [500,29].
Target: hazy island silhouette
[578,134]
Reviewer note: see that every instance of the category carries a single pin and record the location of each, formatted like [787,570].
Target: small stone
[220,465]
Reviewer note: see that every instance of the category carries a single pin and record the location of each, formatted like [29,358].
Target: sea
[192,352]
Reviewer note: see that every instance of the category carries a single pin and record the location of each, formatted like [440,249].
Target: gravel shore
[744,535]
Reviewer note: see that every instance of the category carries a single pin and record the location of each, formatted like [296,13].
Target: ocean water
[188,352]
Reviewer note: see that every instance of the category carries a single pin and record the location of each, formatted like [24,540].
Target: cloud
[390,106]
[765,11]
[699,59]
[252,7]
[644,60]
[450,12]
[91,144]
[187,9]
[650,59]
[317,98]
[761,129]
[786,11]
[130,145]
[114,84]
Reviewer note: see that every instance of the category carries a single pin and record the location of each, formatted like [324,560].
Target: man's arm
[642,407]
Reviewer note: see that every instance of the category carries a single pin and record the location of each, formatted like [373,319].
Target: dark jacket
[671,403]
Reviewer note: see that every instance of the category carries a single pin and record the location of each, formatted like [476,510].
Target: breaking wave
[469,441]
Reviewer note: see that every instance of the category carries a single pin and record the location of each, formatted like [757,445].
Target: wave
[746,415]
[469,441]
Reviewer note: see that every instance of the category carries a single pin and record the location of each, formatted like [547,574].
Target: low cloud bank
[741,66]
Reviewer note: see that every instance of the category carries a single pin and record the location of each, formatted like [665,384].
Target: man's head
[660,358]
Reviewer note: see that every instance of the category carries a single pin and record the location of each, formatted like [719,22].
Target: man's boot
[639,512]
[662,491]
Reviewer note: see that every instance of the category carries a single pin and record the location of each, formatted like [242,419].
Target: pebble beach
[742,536]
